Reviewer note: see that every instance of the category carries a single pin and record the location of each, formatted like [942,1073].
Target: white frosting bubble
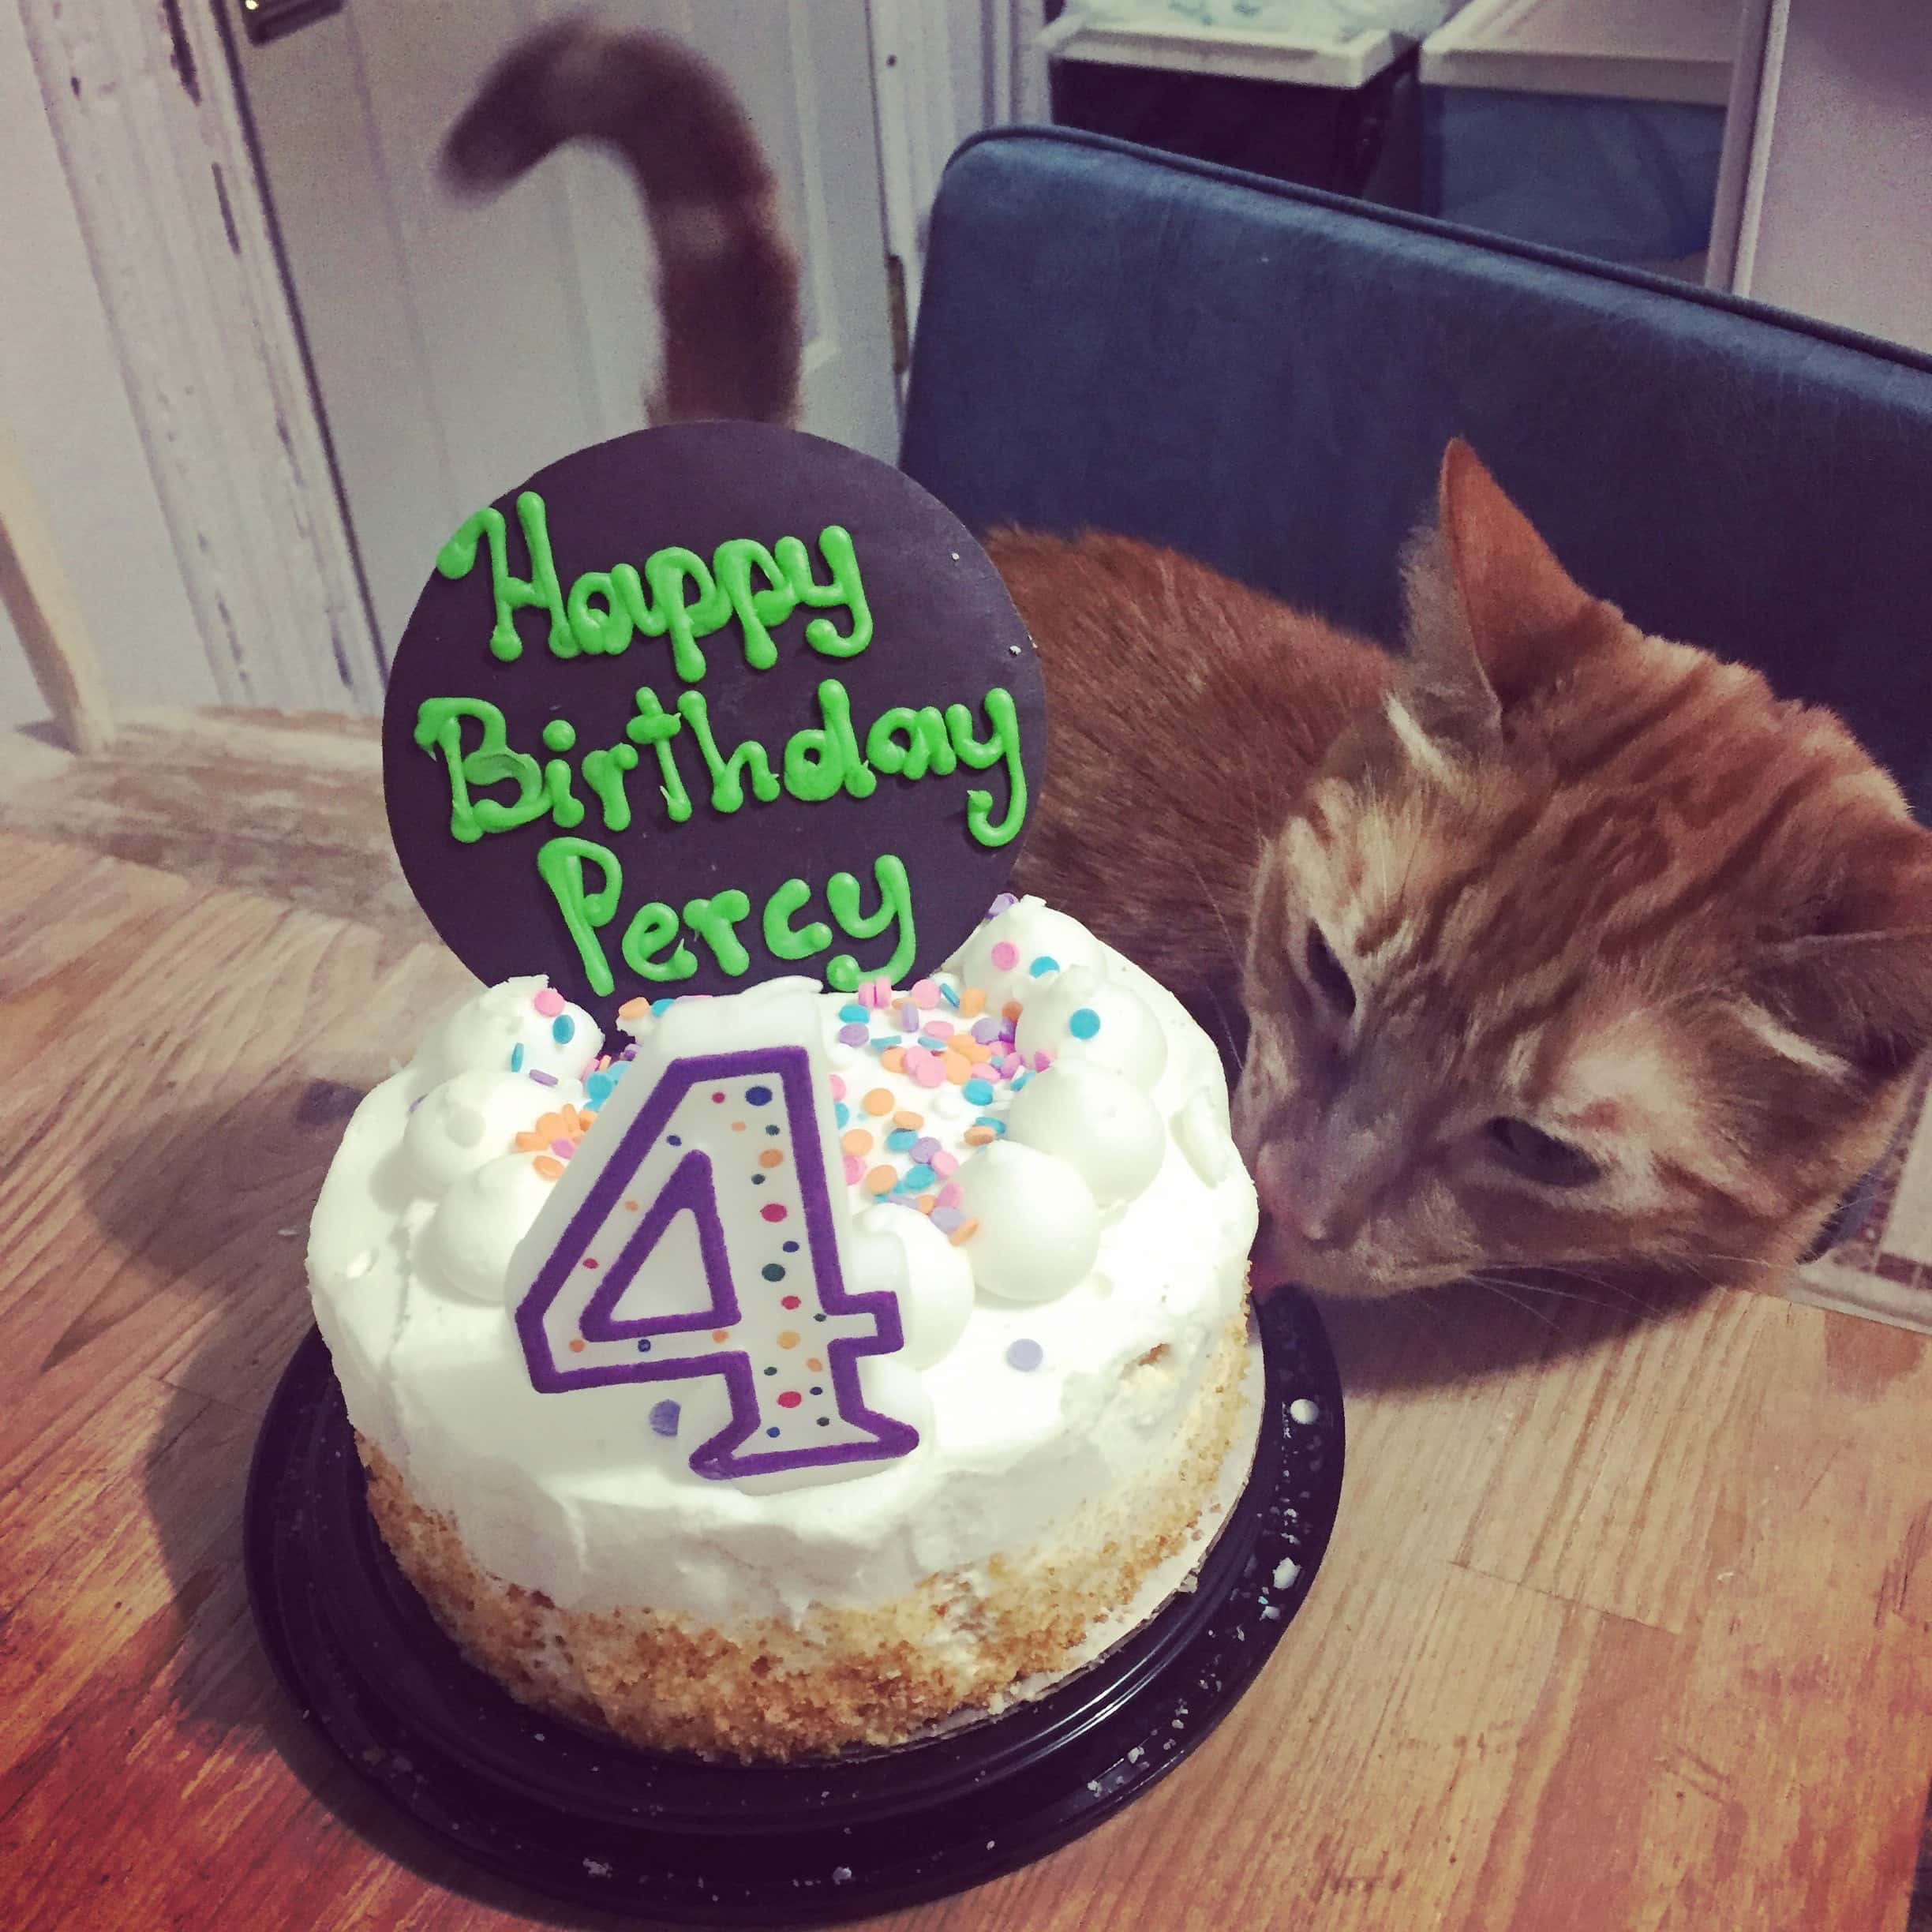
[1012,954]
[1081,1015]
[1200,1131]
[477,1224]
[474,1118]
[487,1032]
[1100,1123]
[1040,1226]
[897,1249]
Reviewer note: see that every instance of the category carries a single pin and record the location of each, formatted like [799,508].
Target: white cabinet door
[457,346]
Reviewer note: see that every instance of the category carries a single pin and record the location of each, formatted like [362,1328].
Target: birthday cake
[1034,1146]
[754,1347]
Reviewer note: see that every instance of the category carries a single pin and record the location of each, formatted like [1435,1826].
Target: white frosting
[1114,1220]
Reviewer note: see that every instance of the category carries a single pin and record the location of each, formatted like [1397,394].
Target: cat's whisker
[1496,1288]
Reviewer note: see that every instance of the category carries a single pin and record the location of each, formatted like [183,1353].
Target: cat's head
[1585,949]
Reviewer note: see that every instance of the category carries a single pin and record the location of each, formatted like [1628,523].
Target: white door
[459,346]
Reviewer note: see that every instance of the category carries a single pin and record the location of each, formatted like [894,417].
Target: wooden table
[1624,1624]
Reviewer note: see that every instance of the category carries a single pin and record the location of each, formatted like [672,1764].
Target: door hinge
[896,308]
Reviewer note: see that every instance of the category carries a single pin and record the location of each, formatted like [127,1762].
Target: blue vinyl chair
[1264,377]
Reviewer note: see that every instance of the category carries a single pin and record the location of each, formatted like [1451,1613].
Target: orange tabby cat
[1560,945]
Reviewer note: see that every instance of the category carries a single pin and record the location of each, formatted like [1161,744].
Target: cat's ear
[1857,981]
[1492,615]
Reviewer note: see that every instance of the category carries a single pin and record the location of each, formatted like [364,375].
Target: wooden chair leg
[37,598]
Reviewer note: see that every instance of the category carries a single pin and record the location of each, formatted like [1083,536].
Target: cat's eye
[1327,972]
[1541,1156]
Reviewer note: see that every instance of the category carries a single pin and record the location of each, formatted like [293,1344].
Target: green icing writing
[600,633]
[439,728]
[655,727]
[714,920]
[757,610]
[925,747]
[844,591]
[784,940]
[726,783]
[895,907]
[654,927]
[1003,743]
[676,594]
[603,773]
[561,863]
[820,760]
[511,593]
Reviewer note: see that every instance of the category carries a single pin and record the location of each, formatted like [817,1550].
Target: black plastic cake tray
[579,1818]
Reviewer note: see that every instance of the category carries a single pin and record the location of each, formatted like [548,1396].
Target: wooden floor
[1625,1623]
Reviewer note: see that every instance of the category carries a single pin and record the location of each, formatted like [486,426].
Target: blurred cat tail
[728,277]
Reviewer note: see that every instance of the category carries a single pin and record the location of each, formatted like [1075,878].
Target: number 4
[727,1146]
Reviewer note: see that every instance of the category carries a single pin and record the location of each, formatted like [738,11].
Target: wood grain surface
[1624,1624]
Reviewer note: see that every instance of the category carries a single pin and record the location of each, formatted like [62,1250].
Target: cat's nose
[1292,1191]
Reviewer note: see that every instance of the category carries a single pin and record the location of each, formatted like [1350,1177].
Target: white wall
[1837,215]
[62,399]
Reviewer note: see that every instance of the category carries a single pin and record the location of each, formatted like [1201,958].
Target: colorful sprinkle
[563,1149]
[925,1148]
[790,1301]
[942,1163]
[875,993]
[541,1078]
[946,1218]
[787,1337]
[664,1418]
[852,1011]
[757,1096]
[1012,1010]
[562,1029]
[929,1072]
[979,1093]
[906,1117]
[959,1069]
[790,1399]
[1025,1354]
[548,1166]
[773,1212]
[813,1363]
[1006,955]
[548,1002]
[1042,1062]
[838,1086]
[720,1334]
[1043,965]
[901,1139]
[771,1158]
[855,1170]
[1005,903]
[972,1001]
[880,1180]
[979,1137]
[577,1345]
[951,1195]
[908,1017]
[878,1101]
[1085,1022]
[917,1178]
[987,1122]
[858,1141]
[964,1233]
[856,1035]
[893,1059]
[840,1112]
[634,1009]
[951,998]
[516,1057]
[660,1006]
[940,1029]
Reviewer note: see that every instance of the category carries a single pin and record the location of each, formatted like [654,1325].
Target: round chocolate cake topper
[706,705]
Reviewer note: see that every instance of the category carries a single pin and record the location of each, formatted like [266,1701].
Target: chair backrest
[1264,377]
